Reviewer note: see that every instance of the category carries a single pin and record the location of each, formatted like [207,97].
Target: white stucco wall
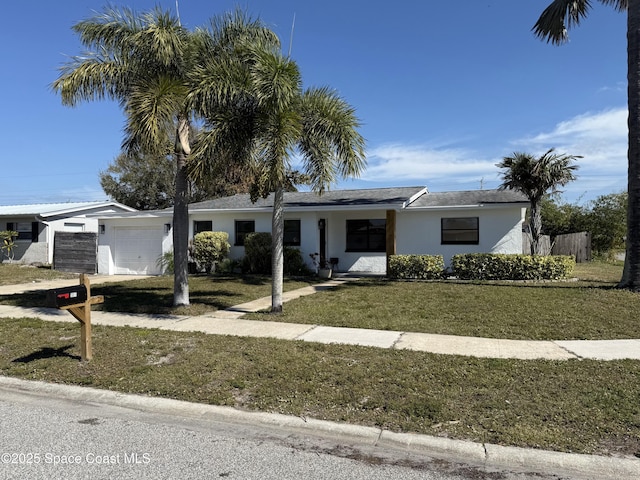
[374,262]
[500,231]
[417,232]
[225,222]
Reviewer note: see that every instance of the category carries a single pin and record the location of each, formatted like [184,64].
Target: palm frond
[562,15]
[330,126]
[152,108]
[94,76]
[535,177]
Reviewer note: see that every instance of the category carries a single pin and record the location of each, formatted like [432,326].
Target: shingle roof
[387,197]
[471,197]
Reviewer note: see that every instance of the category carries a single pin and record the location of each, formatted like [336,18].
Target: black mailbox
[62,297]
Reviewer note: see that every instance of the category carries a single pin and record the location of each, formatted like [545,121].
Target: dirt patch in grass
[572,406]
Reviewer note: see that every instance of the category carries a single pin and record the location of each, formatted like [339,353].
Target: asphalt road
[43,437]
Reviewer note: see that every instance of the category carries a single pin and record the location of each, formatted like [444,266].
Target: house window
[202,226]
[243,227]
[460,231]
[26,230]
[292,233]
[366,235]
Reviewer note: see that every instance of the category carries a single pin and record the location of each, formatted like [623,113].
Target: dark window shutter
[9,225]
[35,230]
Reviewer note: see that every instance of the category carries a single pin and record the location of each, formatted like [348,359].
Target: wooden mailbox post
[78,301]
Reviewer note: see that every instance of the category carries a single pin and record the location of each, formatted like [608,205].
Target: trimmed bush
[492,266]
[209,248]
[257,259]
[422,267]
[257,253]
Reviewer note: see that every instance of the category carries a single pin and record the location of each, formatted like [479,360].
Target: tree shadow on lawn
[46,352]
[122,298]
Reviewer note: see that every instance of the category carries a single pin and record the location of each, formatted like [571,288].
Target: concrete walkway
[229,322]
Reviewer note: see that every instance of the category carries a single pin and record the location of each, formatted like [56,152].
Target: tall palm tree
[144,62]
[535,178]
[552,26]
[261,112]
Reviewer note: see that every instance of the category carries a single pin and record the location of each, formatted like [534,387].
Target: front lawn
[155,294]
[587,309]
[573,406]
[14,273]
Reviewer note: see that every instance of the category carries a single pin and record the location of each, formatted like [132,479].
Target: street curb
[487,455]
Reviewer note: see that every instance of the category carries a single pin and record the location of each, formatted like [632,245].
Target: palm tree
[261,112]
[552,26]
[144,62]
[535,177]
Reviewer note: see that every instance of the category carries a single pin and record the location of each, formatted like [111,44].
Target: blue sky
[443,91]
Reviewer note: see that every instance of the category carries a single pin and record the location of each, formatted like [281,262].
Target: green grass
[154,295]
[587,309]
[578,406]
[13,273]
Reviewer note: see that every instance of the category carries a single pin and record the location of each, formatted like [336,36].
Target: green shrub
[492,266]
[257,253]
[165,262]
[257,258]
[227,266]
[423,267]
[209,248]
[7,243]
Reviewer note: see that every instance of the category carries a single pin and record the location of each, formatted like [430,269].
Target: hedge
[422,267]
[491,266]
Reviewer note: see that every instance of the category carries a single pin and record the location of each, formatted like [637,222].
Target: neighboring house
[355,228]
[36,225]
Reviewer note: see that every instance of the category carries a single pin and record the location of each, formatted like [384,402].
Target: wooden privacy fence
[75,252]
[577,245]
[545,244]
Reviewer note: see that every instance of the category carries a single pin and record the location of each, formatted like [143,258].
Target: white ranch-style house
[37,224]
[354,229]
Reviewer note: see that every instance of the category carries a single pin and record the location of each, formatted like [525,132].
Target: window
[243,227]
[26,230]
[460,231]
[366,235]
[292,233]
[202,226]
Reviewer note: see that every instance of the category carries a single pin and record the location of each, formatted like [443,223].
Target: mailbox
[62,297]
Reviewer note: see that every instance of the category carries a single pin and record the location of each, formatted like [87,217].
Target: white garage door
[137,250]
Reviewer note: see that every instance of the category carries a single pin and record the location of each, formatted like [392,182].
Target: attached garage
[137,250]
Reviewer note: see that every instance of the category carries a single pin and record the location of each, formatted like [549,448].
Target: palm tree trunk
[631,274]
[277,250]
[536,227]
[181,219]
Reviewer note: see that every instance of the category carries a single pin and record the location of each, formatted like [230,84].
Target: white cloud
[421,164]
[600,138]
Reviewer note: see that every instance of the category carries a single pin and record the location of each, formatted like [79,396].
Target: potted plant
[322,266]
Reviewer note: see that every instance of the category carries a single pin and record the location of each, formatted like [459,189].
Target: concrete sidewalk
[229,322]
